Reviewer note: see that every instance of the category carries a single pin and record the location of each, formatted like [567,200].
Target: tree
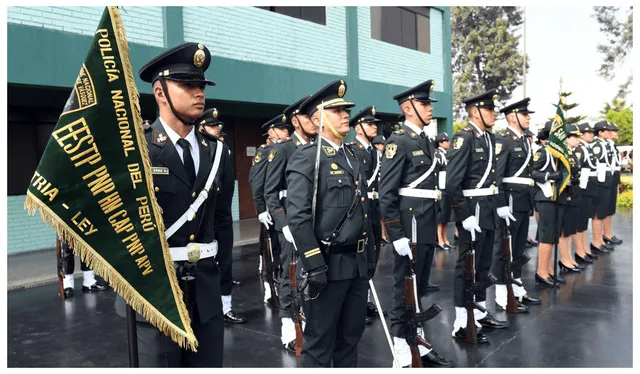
[620,42]
[624,120]
[484,52]
[457,126]
[616,105]
[566,107]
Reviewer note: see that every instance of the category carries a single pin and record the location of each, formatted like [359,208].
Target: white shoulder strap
[489,165]
[424,176]
[375,172]
[526,162]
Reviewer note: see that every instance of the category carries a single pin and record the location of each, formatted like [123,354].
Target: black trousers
[483,259]
[225,259]
[284,289]
[519,231]
[335,323]
[158,350]
[69,260]
[422,269]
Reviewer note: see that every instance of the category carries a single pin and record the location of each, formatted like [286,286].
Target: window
[314,14]
[404,26]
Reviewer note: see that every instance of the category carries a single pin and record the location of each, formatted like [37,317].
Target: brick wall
[143,25]
[24,232]
[257,35]
[388,63]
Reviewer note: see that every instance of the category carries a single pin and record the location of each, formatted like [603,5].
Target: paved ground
[585,323]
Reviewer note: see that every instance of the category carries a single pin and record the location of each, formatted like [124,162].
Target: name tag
[518,149]
[336,172]
[418,153]
[159,170]
[479,149]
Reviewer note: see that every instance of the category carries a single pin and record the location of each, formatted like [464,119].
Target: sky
[561,42]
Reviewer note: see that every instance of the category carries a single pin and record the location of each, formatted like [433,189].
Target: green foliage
[619,43]
[566,107]
[457,126]
[616,104]
[625,199]
[624,121]
[485,52]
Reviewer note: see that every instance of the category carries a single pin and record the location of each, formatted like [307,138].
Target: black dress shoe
[232,317]
[489,321]
[532,242]
[592,256]
[601,248]
[579,266]
[521,308]
[558,278]
[290,347]
[480,337]
[448,247]
[528,300]
[610,247]
[68,292]
[236,282]
[549,282]
[613,240]
[583,260]
[434,360]
[441,247]
[568,269]
[372,311]
[432,287]
[368,320]
[95,287]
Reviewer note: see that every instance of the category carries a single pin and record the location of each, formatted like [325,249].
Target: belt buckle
[193,253]
[438,195]
[361,243]
[493,189]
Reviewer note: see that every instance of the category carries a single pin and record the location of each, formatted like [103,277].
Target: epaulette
[146,127]
[287,139]
[468,128]
[263,146]
[350,143]
[399,132]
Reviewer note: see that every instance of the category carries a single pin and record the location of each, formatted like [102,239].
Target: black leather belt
[347,248]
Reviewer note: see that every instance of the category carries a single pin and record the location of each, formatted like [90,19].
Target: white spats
[226,303]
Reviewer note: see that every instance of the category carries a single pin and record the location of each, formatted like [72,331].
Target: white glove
[470,224]
[265,219]
[505,213]
[402,247]
[287,234]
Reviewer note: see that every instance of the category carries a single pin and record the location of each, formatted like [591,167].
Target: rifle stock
[509,265]
[296,303]
[470,287]
[270,268]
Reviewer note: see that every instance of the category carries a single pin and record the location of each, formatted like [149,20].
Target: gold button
[365,215]
[339,180]
[481,158]
[493,170]
[217,262]
[436,187]
[422,162]
[494,182]
[364,233]
[157,189]
[373,189]
[356,183]
[193,194]
[362,199]
[410,209]
[192,237]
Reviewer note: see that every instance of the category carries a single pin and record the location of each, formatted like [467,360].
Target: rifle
[470,289]
[509,265]
[269,267]
[413,317]
[296,302]
[60,267]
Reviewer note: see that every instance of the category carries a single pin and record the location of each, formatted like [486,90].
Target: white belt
[421,193]
[493,190]
[194,251]
[617,168]
[593,173]
[373,195]
[282,194]
[518,180]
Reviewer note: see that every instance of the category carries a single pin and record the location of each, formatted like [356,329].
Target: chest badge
[458,143]
[329,150]
[272,155]
[390,150]
[498,148]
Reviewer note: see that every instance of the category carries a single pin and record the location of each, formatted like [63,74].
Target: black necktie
[188,160]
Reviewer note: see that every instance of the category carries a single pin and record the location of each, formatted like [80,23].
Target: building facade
[263,59]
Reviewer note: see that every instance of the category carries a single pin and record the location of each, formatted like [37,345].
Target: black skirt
[550,222]
[444,216]
[569,220]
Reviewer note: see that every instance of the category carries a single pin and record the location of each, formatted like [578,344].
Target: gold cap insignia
[200,46]
[494,98]
[373,111]
[458,143]
[390,150]
[214,114]
[431,88]
[341,89]
[199,57]
[284,118]
[334,166]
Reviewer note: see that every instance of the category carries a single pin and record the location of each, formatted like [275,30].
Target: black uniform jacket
[603,151]
[338,185]
[257,176]
[370,164]
[276,181]
[589,163]
[407,156]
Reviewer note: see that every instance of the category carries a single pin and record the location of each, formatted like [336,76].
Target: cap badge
[284,118]
[431,88]
[341,89]
[199,57]
[373,111]
[494,98]
[214,115]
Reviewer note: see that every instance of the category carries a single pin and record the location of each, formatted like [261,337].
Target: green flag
[557,146]
[94,186]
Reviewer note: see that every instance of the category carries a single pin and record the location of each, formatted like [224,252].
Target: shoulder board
[399,132]
[350,143]
[263,146]
[285,140]
[468,128]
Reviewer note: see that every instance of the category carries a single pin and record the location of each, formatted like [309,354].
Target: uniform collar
[334,145]
[519,134]
[414,128]
[364,144]
[191,136]
[477,128]
[300,139]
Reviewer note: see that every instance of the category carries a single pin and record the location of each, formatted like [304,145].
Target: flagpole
[524,62]
[558,234]
[132,337]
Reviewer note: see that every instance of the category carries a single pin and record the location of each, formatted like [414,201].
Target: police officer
[608,236]
[546,173]
[89,282]
[471,185]
[513,170]
[588,181]
[408,191]
[182,160]
[330,236]
[257,175]
[210,125]
[605,183]
[443,144]
[275,195]
[365,124]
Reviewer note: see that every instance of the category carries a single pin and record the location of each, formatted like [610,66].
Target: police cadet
[605,183]
[365,124]
[532,141]
[330,236]
[89,282]
[182,160]
[588,180]
[471,185]
[546,173]
[444,212]
[408,190]
[513,174]
[608,236]
[210,125]
[257,175]
[275,195]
